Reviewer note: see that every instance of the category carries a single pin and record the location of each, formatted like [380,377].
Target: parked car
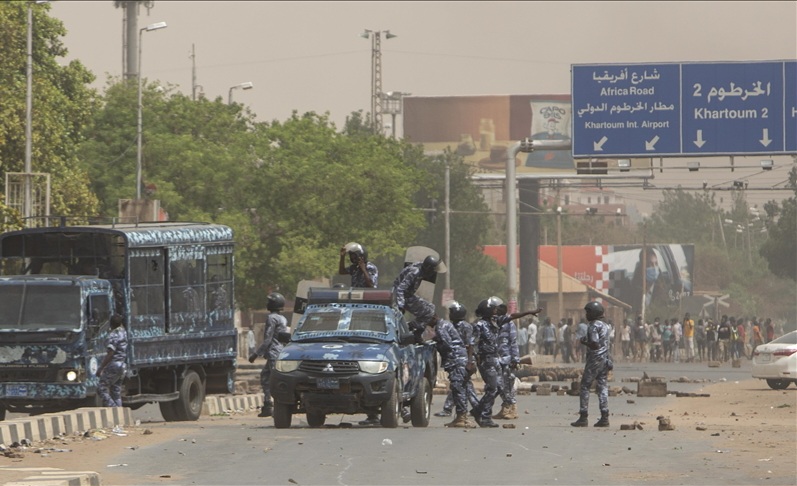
[776,361]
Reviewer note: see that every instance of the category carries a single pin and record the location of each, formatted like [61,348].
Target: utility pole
[193,73]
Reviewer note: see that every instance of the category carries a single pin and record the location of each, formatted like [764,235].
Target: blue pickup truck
[353,352]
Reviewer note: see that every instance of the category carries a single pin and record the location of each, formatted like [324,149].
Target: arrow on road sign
[651,145]
[766,140]
[699,142]
[599,144]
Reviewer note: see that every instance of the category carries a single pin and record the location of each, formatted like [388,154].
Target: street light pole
[159,25]
[559,260]
[376,74]
[29,119]
[246,85]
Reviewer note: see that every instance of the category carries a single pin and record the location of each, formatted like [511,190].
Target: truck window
[146,283]
[99,312]
[39,307]
[368,320]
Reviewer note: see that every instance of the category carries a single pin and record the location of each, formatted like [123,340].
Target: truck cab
[52,334]
[353,352]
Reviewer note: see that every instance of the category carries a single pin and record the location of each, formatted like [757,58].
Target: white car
[776,361]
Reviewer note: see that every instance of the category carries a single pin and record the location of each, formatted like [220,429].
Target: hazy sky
[308,56]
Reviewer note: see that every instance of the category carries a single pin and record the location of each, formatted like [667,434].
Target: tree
[780,249]
[62,106]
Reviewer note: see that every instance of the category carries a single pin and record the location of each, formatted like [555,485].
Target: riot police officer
[271,347]
[597,366]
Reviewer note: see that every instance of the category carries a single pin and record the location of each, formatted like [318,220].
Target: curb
[49,425]
[60,478]
[216,405]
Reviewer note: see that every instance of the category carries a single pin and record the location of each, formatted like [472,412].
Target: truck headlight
[286,365]
[71,375]
[373,367]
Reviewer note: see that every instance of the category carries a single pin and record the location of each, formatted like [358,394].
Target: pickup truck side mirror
[284,337]
[406,338]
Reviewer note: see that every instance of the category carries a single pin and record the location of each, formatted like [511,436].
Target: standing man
[410,278]
[597,368]
[485,336]
[456,314]
[271,347]
[533,337]
[689,337]
[112,369]
[364,274]
[724,339]
[509,358]
[454,359]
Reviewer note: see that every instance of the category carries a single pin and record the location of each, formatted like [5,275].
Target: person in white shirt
[532,337]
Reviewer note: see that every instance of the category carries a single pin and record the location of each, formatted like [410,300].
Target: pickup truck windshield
[39,307]
[344,319]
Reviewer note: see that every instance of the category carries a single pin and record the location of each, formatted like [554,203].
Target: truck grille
[12,375]
[330,368]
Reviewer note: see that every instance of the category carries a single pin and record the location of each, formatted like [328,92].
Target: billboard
[481,129]
[618,271]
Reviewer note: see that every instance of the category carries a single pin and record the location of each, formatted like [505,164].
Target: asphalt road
[541,449]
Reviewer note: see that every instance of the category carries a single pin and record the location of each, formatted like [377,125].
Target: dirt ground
[753,427]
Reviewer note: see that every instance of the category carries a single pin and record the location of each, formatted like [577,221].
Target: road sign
[680,109]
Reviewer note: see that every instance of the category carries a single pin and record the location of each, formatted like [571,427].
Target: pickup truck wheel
[778,384]
[391,409]
[168,412]
[283,412]
[315,419]
[192,394]
[421,407]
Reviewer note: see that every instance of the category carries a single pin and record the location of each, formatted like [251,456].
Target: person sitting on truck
[364,274]
[410,278]
[270,348]
[454,358]
[112,369]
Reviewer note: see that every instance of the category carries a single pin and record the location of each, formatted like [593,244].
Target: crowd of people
[669,340]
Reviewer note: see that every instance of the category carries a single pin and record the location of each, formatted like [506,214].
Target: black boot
[604,420]
[477,415]
[582,420]
[488,422]
[267,410]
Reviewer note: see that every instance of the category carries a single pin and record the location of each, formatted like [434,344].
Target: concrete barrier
[215,405]
[49,425]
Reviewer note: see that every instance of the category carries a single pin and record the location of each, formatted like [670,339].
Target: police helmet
[456,311]
[432,265]
[356,251]
[275,301]
[594,310]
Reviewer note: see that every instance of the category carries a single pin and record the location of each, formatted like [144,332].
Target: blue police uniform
[358,277]
[110,386]
[508,356]
[405,286]
[270,349]
[454,358]
[465,330]
[485,335]
[597,367]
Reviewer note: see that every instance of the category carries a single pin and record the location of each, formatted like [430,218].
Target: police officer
[112,369]
[364,274]
[410,278]
[509,358]
[456,314]
[485,336]
[597,367]
[271,347]
[454,358]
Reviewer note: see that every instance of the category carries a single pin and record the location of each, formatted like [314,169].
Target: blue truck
[171,281]
[353,352]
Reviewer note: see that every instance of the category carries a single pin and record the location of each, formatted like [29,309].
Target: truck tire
[283,413]
[168,411]
[192,394]
[316,419]
[391,409]
[421,408]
